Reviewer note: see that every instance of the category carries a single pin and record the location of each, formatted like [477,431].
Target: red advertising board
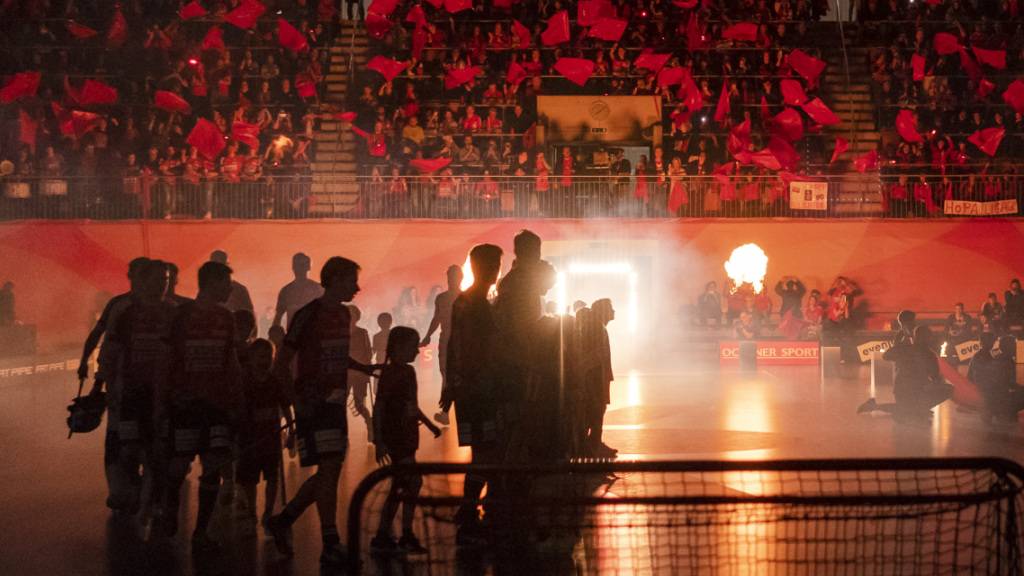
[773,352]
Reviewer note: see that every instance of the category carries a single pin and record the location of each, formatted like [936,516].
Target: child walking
[396,419]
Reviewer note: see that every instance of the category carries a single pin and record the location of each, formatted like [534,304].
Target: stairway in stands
[334,183]
[858,195]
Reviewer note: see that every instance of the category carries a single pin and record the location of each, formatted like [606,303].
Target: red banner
[773,353]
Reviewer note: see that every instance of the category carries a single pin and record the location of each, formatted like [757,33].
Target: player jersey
[203,356]
[141,333]
[319,334]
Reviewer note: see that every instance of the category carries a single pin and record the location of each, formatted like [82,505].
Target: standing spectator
[709,305]
[993,315]
[792,291]
[1014,299]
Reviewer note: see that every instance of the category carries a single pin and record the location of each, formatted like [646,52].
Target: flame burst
[747,264]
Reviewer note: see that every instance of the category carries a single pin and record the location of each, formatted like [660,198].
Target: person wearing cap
[239,299]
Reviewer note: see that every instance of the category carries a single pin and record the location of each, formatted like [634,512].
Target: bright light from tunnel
[562,296]
[747,264]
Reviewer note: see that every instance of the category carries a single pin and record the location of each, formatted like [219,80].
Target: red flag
[987,140]
[118,31]
[685,4]
[783,152]
[345,116]
[820,113]
[246,15]
[970,66]
[525,39]
[515,74]
[192,10]
[27,128]
[289,37]
[429,165]
[651,61]
[305,86]
[246,133]
[387,67]
[1014,95]
[917,65]
[985,87]
[609,29]
[95,92]
[946,43]
[841,146]
[739,139]
[694,33]
[806,65]
[557,31]
[21,85]
[672,76]
[722,109]
[214,40]
[588,12]
[792,92]
[788,124]
[577,70]
[416,16]
[764,158]
[865,162]
[80,31]
[378,26]
[906,125]
[386,7]
[171,102]
[694,99]
[455,6]
[742,32]
[993,58]
[458,76]
[206,137]
[74,123]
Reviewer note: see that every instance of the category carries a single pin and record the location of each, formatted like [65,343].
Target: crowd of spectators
[171,65]
[485,126]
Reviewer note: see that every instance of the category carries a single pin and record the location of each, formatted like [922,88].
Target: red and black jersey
[396,410]
[141,333]
[319,334]
[203,356]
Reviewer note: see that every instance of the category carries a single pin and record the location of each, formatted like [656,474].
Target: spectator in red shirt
[471,122]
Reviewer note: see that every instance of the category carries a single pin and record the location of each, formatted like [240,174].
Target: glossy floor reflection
[55,522]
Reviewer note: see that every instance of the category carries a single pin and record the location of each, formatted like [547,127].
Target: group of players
[186,378]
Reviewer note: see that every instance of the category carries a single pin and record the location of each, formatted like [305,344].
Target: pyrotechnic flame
[747,264]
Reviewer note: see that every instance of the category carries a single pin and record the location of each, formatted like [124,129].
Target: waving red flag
[557,31]
[917,65]
[192,10]
[987,140]
[455,6]
[246,133]
[27,129]
[672,76]
[206,137]
[865,162]
[694,33]
[806,65]
[21,85]
[784,153]
[345,116]
[651,61]
[820,113]
[906,125]
[946,43]
[576,70]
[742,32]
[993,58]
[763,158]
[416,16]
[792,92]
[788,124]
[429,165]
[970,66]
[289,37]
[214,40]
[171,102]
[378,26]
[515,74]
[1014,95]
[305,86]
[246,15]
[523,33]
[458,76]
[74,123]
[386,7]
[985,87]
[94,92]
[118,31]
[723,108]
[739,139]
[609,29]
[588,12]
[80,31]
[841,146]
[694,99]
[387,67]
